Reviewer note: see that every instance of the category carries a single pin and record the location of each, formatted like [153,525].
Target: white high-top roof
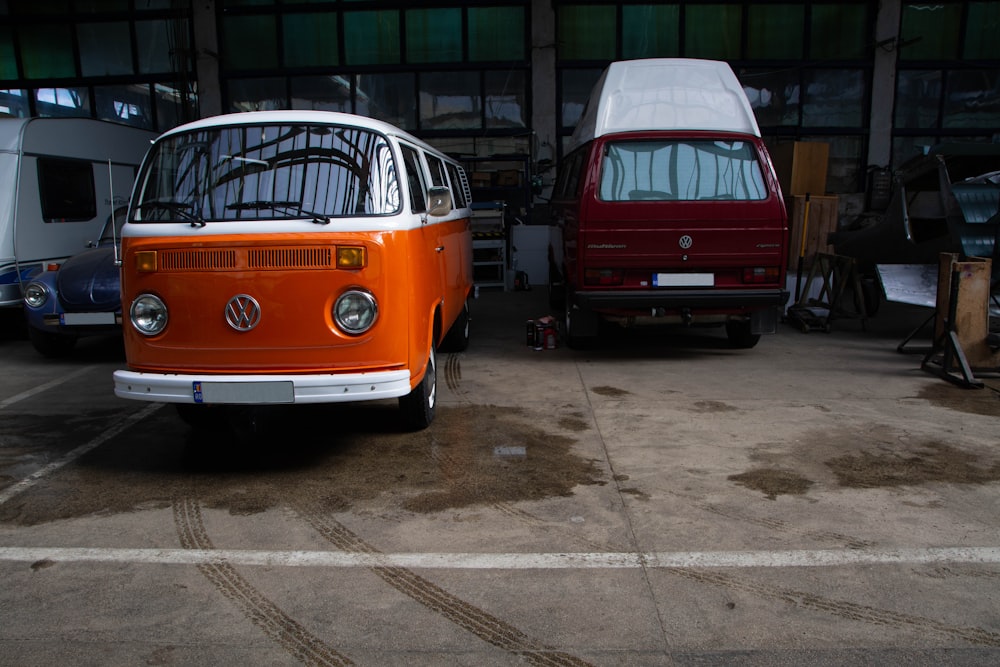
[666,94]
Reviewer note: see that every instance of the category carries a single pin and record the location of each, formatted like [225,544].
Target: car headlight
[148,314]
[355,311]
[36,294]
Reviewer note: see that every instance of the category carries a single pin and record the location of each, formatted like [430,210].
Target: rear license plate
[684,280]
[86,319]
[243,392]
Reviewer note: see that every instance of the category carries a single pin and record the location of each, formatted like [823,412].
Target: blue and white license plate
[683,280]
[243,392]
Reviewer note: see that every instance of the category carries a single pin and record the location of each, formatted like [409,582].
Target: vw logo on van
[243,312]
[685,242]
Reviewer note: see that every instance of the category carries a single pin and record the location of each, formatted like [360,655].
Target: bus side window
[415,180]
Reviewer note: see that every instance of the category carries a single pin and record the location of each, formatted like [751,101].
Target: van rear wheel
[418,406]
[739,334]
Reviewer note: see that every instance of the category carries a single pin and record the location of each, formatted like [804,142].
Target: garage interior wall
[874,80]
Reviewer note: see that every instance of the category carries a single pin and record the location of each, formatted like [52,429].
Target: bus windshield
[267,172]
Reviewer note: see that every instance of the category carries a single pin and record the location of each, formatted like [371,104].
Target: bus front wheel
[417,407]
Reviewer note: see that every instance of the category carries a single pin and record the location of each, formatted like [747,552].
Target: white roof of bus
[666,94]
[300,117]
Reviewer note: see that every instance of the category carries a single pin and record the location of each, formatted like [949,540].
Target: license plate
[243,392]
[85,319]
[684,280]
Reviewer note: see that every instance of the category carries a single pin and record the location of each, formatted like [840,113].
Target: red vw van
[668,206]
[287,257]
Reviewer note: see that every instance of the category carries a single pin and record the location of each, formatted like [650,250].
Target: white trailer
[60,180]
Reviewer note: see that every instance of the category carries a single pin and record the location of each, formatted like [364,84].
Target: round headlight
[355,312]
[149,314]
[36,294]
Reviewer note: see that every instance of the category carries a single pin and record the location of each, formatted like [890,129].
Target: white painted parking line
[113,430]
[44,387]
[512,561]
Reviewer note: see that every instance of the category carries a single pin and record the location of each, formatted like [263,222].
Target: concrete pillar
[544,113]
[884,82]
[206,58]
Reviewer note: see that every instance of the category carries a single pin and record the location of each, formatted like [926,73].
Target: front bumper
[261,389]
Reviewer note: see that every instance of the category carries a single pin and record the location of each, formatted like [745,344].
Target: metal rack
[489,244]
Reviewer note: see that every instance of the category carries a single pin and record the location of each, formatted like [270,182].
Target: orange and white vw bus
[286,257]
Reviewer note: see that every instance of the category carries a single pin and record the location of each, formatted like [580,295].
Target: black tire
[571,335]
[738,333]
[50,344]
[417,408]
[457,338]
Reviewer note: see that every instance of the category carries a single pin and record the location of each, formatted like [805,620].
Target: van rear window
[681,170]
[262,172]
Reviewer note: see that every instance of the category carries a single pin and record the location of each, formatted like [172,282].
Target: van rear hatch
[671,210]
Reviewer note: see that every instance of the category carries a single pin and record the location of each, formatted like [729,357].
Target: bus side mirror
[440,201]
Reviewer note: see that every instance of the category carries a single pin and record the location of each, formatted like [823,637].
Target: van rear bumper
[673,299]
[261,389]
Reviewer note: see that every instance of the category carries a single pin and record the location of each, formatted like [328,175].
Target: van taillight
[603,277]
[761,274]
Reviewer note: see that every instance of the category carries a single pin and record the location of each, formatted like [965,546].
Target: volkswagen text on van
[668,206]
[287,257]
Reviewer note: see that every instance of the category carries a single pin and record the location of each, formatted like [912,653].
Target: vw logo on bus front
[243,312]
[685,242]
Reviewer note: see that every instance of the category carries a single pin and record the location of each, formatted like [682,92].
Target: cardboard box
[481,179]
[801,167]
[508,178]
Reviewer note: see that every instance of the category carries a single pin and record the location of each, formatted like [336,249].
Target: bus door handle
[440,248]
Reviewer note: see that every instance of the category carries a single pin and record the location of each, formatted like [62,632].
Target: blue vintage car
[80,297]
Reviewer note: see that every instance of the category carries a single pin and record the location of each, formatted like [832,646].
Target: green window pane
[839,31]
[8,66]
[100,5]
[970,100]
[322,93]
[73,102]
[47,51]
[487,42]
[930,32]
[388,97]
[371,38]
[257,95]
[156,44]
[775,32]
[433,35]
[105,48]
[918,98]
[25,7]
[650,31]
[506,99]
[586,32]
[983,28]
[833,98]
[450,101]
[310,39]
[249,42]
[712,31]
[575,88]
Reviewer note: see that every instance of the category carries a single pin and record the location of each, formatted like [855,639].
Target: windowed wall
[455,73]
[948,76]
[806,66]
[483,77]
[127,61]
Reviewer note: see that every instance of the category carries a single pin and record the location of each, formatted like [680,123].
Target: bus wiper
[178,207]
[296,207]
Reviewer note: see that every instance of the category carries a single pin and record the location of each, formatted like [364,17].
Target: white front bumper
[261,389]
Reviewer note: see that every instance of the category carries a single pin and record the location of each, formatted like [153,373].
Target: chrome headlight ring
[355,311]
[36,294]
[148,314]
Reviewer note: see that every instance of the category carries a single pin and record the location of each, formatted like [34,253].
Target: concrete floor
[658,499]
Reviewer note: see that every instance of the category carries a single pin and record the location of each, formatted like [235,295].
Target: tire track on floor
[482,624]
[842,608]
[275,623]
[453,372]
